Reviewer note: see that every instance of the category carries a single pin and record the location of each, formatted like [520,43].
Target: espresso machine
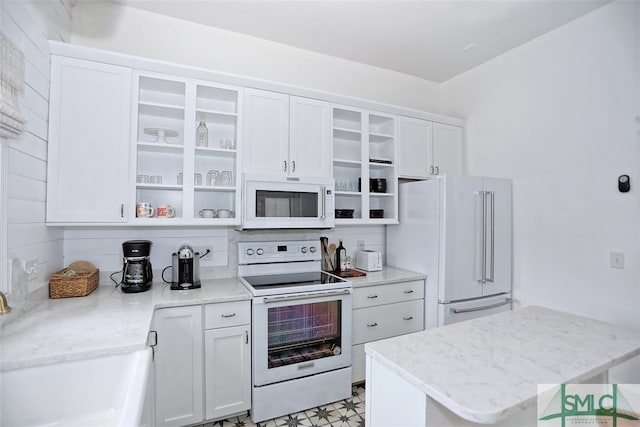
[185,269]
[136,272]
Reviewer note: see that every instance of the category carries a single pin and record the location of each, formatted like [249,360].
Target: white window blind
[12,122]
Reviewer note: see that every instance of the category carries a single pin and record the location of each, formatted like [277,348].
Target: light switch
[617,259]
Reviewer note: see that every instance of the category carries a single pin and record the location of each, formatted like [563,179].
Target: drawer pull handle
[371,325]
[408,291]
[372,296]
[408,317]
[228,315]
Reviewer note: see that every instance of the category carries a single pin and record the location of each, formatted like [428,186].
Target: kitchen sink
[100,391]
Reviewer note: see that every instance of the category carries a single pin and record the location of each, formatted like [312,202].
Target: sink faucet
[4,306]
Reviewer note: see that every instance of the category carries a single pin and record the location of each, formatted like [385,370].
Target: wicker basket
[82,283]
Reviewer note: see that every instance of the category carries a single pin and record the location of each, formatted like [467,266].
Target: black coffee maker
[185,269]
[136,272]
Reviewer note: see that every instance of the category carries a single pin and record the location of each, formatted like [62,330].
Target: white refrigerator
[457,231]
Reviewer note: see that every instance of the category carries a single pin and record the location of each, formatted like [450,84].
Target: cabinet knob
[284,166]
[437,170]
[408,291]
[372,296]
[228,315]
[408,317]
[122,210]
[293,166]
[371,325]
[431,170]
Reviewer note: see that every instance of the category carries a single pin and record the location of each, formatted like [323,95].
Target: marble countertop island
[488,369]
[105,322]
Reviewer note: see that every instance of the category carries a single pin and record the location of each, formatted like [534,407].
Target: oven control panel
[280,251]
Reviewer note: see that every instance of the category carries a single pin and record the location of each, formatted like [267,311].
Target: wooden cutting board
[349,273]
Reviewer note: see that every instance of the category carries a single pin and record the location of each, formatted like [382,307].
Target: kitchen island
[487,370]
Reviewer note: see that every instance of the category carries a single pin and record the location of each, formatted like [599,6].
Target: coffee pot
[136,272]
[185,271]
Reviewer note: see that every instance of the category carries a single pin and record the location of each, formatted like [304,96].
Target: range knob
[249,251]
[304,249]
[312,249]
[260,251]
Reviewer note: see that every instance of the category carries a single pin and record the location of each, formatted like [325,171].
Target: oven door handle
[306,296]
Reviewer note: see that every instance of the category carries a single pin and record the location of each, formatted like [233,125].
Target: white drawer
[374,323]
[223,314]
[370,296]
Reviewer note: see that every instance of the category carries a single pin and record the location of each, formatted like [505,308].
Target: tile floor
[344,413]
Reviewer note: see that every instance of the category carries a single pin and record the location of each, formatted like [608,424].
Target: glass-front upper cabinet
[186,151]
[365,166]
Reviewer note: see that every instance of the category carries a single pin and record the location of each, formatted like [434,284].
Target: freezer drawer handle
[486,307]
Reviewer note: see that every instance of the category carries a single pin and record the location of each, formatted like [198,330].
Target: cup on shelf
[165,211]
[144,210]
[155,179]
[197,179]
[227,143]
[224,213]
[212,177]
[142,179]
[225,178]
[207,213]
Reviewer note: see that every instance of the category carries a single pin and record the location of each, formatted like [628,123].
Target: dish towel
[12,122]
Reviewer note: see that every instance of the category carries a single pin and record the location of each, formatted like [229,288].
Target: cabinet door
[178,364]
[88,161]
[227,371]
[266,132]
[415,148]
[310,150]
[447,148]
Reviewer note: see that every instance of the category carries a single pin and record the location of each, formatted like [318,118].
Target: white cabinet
[88,160]
[286,135]
[178,366]
[383,311]
[170,167]
[365,149]
[428,148]
[227,364]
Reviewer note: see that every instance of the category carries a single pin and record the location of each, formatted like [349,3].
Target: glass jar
[203,135]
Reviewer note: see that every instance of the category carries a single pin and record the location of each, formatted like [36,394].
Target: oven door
[297,335]
[304,203]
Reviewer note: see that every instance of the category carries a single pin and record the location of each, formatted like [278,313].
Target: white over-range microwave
[273,202]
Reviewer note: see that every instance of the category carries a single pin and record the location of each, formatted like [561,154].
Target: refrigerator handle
[483,278]
[493,236]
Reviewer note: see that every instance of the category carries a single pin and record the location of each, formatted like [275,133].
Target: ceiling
[431,39]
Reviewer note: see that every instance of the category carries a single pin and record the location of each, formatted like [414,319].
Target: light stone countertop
[386,276]
[487,369]
[105,322]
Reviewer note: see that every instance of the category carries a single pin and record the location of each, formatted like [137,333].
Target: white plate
[162,135]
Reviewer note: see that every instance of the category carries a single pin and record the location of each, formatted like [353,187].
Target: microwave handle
[323,215]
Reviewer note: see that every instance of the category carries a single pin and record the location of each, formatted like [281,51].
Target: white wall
[557,116]
[123,29]
[29,24]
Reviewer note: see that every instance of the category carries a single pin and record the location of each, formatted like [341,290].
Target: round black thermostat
[624,183]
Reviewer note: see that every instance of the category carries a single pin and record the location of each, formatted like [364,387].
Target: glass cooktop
[292,279]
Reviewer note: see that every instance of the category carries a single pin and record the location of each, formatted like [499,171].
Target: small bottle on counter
[341,257]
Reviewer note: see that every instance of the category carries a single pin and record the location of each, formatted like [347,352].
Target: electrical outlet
[203,250]
[31,269]
[617,259]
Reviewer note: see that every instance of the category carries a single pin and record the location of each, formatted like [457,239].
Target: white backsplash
[103,246]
